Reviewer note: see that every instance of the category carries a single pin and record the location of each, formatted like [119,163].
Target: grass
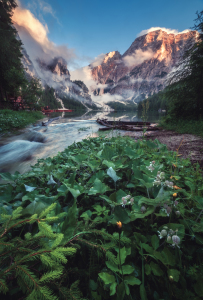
[10,119]
[184,126]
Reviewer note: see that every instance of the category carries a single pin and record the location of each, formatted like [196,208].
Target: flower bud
[124,201]
[153,162]
[177,213]
[132,200]
[168,210]
[175,195]
[123,198]
[165,205]
[176,203]
[163,232]
[176,239]
[168,238]
[171,278]
[119,224]
[143,209]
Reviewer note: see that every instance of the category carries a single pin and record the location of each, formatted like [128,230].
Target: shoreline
[188,145]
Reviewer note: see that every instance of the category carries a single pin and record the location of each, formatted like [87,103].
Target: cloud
[167,30]
[98,60]
[40,8]
[105,98]
[137,57]
[34,36]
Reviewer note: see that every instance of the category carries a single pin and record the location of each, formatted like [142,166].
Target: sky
[82,30]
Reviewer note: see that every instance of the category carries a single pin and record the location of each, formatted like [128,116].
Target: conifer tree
[185,92]
[11,70]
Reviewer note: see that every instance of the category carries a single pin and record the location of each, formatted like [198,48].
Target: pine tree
[185,92]
[11,70]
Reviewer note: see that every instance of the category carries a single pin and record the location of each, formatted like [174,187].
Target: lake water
[18,152]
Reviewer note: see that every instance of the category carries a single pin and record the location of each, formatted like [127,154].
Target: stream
[19,151]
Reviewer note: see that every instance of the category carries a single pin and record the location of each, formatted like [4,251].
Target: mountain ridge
[143,67]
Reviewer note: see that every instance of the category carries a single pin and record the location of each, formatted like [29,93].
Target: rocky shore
[189,145]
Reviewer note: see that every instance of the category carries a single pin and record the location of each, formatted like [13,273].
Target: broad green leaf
[113,288]
[62,189]
[155,241]
[36,207]
[86,215]
[123,255]
[127,290]
[130,185]
[121,215]
[51,180]
[191,185]
[107,278]
[108,153]
[151,145]
[131,280]
[119,195]
[108,164]
[93,285]
[29,188]
[147,269]
[74,192]
[93,164]
[147,248]
[127,269]
[156,269]
[112,174]
[199,199]
[168,257]
[98,188]
[79,158]
[137,173]
[8,176]
[112,266]
[174,273]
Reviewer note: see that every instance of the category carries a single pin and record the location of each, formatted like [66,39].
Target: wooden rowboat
[126,125]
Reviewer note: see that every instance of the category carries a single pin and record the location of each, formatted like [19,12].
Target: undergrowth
[183,125]
[10,119]
[105,219]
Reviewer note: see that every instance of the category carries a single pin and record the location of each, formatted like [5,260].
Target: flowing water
[18,152]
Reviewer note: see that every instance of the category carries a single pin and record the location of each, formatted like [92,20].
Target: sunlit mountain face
[144,67]
[141,71]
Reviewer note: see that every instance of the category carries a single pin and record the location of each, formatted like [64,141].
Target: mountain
[143,68]
[55,74]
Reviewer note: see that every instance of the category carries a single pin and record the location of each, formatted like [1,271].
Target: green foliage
[11,70]
[181,125]
[129,105]
[71,103]
[61,240]
[10,119]
[156,102]
[48,98]
[185,91]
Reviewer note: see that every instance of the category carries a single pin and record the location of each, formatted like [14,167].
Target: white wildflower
[162,234]
[176,241]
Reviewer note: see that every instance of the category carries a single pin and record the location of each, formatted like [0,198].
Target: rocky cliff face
[56,75]
[143,68]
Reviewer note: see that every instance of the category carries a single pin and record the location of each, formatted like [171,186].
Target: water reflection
[18,152]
